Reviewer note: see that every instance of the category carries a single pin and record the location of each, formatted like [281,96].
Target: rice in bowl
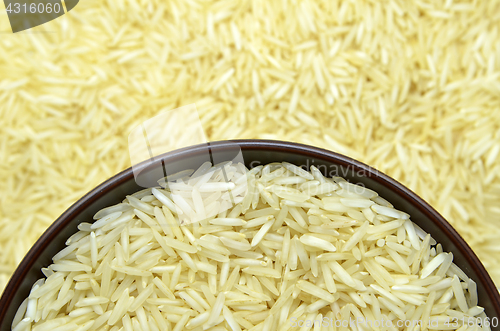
[286,248]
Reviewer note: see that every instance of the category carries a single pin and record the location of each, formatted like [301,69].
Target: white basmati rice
[253,268]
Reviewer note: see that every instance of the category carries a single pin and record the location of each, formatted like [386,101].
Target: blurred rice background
[409,87]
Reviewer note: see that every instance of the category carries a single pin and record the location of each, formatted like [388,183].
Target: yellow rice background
[410,87]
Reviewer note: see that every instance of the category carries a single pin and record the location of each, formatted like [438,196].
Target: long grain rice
[332,63]
[140,268]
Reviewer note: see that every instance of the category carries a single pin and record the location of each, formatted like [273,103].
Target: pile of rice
[409,87]
[296,246]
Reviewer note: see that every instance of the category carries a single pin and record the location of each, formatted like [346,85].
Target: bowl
[254,152]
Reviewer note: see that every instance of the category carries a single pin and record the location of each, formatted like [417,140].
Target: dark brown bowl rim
[260,145]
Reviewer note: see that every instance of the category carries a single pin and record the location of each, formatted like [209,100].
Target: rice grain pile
[409,87]
[296,247]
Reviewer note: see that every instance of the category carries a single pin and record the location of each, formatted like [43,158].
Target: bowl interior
[254,152]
